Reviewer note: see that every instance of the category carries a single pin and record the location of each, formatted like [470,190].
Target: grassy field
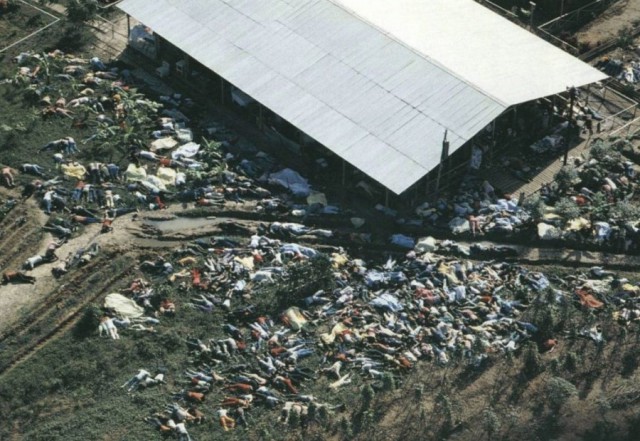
[19,21]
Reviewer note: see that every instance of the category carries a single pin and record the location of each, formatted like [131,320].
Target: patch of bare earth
[624,14]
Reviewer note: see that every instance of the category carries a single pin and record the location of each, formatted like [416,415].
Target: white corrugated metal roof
[376,84]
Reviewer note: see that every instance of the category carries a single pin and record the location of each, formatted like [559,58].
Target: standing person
[588,125]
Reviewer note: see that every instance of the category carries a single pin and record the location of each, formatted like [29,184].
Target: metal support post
[443,158]
[532,8]
[572,96]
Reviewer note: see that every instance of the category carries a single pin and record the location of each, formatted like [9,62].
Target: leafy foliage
[567,177]
[301,280]
[624,210]
[536,206]
[567,208]
[557,392]
[88,323]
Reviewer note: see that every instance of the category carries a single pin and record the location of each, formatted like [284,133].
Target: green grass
[19,22]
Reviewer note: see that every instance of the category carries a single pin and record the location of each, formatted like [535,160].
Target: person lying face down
[17,277]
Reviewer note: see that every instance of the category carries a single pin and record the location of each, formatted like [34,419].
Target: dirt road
[623,14]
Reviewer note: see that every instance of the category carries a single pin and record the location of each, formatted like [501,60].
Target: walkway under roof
[375,81]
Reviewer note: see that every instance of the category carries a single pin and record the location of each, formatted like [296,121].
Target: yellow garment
[166,175]
[296,319]
[74,170]
[134,173]
[338,260]
[329,337]
[551,216]
[163,144]
[630,288]
[449,273]
[317,198]
[247,262]
[578,224]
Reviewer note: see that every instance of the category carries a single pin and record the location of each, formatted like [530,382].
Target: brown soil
[624,14]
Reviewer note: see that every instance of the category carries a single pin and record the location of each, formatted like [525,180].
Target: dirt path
[621,15]
[17,244]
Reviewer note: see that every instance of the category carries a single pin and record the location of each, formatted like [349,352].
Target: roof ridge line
[414,50]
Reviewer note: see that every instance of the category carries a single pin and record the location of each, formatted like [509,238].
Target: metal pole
[572,95]
[531,11]
[493,139]
[443,158]
[221,90]
[561,8]
[128,27]
[586,103]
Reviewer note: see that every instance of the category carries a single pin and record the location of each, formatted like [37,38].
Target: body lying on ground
[17,277]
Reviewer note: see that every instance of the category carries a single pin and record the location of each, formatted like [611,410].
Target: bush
[625,38]
[491,422]
[536,206]
[625,211]
[88,323]
[532,363]
[557,392]
[567,177]
[388,382]
[79,11]
[367,397]
[571,362]
[567,208]
[301,280]
[600,149]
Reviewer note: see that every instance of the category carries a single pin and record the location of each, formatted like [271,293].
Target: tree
[532,363]
[490,422]
[78,11]
[388,382]
[445,409]
[89,322]
[367,397]
[557,392]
